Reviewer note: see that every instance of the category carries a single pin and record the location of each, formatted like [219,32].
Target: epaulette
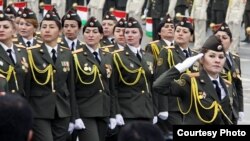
[77,51]
[64,47]
[196,51]
[14,39]
[39,41]
[227,82]
[235,55]
[33,47]
[156,41]
[20,46]
[2,76]
[118,50]
[108,46]
[59,40]
[168,47]
[82,43]
[38,32]
[194,74]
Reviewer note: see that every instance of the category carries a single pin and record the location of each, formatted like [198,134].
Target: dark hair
[58,23]
[15,118]
[140,131]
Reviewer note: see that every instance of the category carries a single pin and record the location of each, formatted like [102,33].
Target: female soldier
[133,74]
[13,58]
[71,24]
[209,100]
[51,92]
[28,25]
[232,70]
[93,70]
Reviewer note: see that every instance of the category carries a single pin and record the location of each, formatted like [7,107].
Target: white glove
[163,115]
[71,127]
[241,116]
[119,119]
[79,124]
[181,67]
[112,123]
[155,119]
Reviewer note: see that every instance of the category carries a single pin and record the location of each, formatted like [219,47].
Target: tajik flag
[149,27]
[46,8]
[1,5]
[18,5]
[82,11]
[119,14]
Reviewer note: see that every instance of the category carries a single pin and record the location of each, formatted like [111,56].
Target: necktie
[10,55]
[138,55]
[28,43]
[96,57]
[113,41]
[53,55]
[217,88]
[228,62]
[186,53]
[171,44]
[72,46]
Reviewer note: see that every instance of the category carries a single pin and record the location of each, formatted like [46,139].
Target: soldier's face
[133,36]
[71,29]
[6,30]
[225,39]
[119,35]
[49,31]
[92,36]
[26,29]
[167,31]
[182,36]
[213,62]
[108,26]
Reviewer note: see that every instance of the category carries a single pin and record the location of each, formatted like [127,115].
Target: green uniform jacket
[169,103]
[64,43]
[94,99]
[181,88]
[134,100]
[234,73]
[21,68]
[43,99]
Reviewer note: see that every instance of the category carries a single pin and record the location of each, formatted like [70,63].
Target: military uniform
[247,20]
[15,73]
[105,42]
[155,47]
[232,73]
[3,85]
[64,43]
[206,95]
[219,8]
[92,90]
[51,93]
[19,40]
[181,6]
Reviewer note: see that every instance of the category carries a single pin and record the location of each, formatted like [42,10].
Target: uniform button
[53,91]
[100,91]
[54,71]
[142,91]
[13,91]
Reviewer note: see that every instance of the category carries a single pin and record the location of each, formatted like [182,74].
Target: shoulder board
[59,40]
[2,76]
[39,41]
[194,74]
[77,51]
[168,47]
[20,46]
[14,39]
[235,55]
[118,50]
[196,51]
[106,51]
[156,41]
[64,47]
[108,46]
[38,32]
[35,46]
[227,82]
[82,43]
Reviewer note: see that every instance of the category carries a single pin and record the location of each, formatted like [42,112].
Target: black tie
[217,88]
[171,44]
[28,43]
[10,55]
[138,55]
[72,46]
[53,55]
[228,62]
[96,57]
[186,53]
[113,41]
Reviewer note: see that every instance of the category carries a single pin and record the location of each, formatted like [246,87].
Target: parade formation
[85,73]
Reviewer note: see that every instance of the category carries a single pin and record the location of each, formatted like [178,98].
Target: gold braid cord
[95,72]
[9,72]
[140,71]
[48,70]
[155,50]
[196,100]
[171,62]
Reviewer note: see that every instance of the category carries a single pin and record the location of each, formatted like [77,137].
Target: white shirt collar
[49,48]
[92,50]
[69,42]
[5,47]
[168,42]
[120,46]
[26,40]
[135,49]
